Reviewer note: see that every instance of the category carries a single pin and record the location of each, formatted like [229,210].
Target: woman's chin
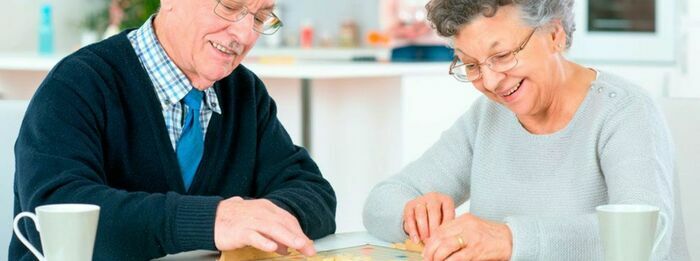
[520,108]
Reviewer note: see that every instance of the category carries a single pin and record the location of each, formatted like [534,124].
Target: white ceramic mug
[67,231]
[630,232]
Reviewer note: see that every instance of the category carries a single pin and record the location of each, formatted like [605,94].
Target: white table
[335,241]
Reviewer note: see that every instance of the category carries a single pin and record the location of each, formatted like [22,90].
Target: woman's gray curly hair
[449,16]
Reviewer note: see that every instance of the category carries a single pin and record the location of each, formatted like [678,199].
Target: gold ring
[460,241]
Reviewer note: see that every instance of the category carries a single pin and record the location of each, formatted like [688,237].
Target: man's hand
[423,215]
[258,223]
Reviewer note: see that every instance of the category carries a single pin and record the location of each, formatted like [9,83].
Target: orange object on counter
[377,39]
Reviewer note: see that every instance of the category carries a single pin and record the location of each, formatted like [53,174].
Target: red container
[306,39]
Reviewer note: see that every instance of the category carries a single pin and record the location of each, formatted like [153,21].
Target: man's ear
[166,5]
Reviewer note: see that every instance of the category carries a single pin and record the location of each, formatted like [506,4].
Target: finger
[447,247]
[279,233]
[409,223]
[434,217]
[421,216]
[282,250]
[291,223]
[289,220]
[448,210]
[461,255]
[308,249]
[430,248]
[258,241]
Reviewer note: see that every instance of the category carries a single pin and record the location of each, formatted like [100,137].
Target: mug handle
[22,238]
[660,234]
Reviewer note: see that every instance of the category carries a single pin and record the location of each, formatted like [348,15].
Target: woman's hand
[470,238]
[423,215]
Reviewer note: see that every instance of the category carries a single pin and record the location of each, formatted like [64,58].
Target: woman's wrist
[507,242]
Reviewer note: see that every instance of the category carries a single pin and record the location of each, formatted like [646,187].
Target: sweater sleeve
[287,176]
[59,159]
[636,157]
[443,168]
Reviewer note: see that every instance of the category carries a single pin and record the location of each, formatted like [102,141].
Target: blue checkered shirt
[170,82]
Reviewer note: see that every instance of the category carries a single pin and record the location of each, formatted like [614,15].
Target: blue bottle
[46,31]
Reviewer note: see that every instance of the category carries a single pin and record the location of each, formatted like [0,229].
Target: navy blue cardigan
[94,133]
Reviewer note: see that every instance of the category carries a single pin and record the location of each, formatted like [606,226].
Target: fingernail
[415,239]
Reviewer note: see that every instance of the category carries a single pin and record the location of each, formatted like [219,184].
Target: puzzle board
[358,253]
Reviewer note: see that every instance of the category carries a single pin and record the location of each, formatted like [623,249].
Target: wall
[692,8]
[327,17]
[20,20]
[681,116]
[11,117]
[688,69]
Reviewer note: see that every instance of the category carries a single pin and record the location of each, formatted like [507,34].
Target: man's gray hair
[449,16]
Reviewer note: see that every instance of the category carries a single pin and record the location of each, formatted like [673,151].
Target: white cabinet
[687,74]
[693,8]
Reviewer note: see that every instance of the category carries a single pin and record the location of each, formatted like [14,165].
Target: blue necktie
[190,147]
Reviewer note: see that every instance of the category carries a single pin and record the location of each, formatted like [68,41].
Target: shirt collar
[170,82]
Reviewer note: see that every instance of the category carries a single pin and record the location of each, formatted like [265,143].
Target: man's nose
[242,29]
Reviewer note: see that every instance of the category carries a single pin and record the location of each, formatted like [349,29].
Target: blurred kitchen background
[362,116]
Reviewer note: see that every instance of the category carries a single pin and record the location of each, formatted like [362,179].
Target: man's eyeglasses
[500,62]
[265,22]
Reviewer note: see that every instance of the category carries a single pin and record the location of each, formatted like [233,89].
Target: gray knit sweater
[616,149]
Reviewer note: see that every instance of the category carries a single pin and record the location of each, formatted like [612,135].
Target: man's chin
[219,73]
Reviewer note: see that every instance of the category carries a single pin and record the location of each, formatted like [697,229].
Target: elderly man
[178,144]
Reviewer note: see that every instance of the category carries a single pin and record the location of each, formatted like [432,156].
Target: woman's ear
[557,36]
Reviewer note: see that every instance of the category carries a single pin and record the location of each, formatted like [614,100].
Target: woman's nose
[490,78]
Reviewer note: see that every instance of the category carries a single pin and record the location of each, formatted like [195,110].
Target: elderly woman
[550,141]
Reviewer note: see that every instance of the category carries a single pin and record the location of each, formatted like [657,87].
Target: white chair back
[683,116]
[11,114]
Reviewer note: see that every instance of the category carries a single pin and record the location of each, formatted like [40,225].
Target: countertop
[316,69]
